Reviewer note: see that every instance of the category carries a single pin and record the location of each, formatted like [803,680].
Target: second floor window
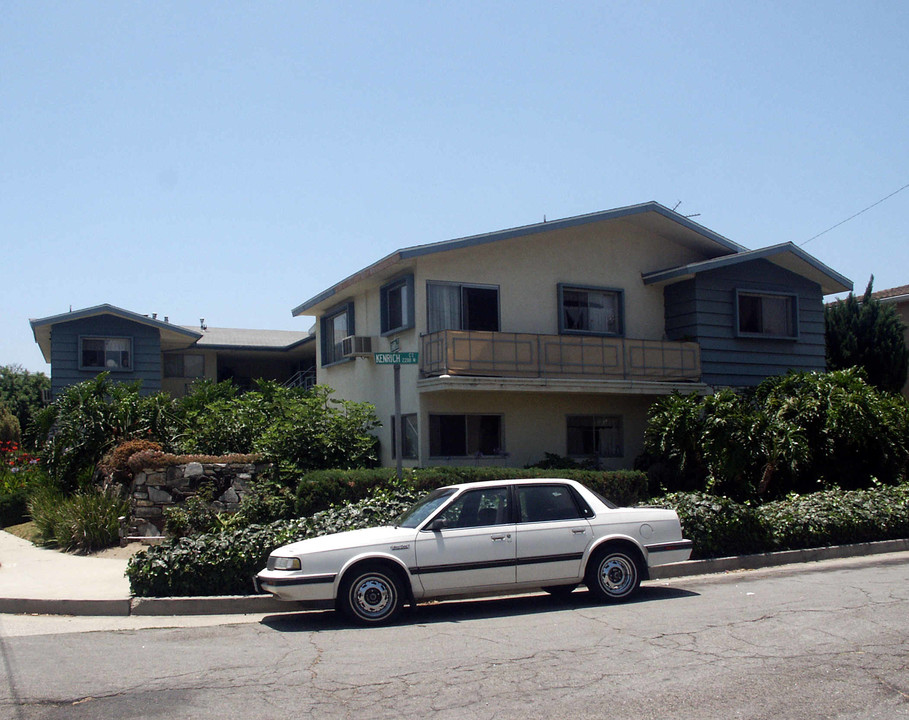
[336,326]
[105,354]
[452,306]
[767,315]
[590,311]
[397,305]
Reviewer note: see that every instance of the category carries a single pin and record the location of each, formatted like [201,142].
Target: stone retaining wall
[154,489]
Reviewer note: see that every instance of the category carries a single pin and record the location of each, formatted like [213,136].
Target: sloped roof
[172,336]
[786,255]
[892,294]
[241,339]
[649,215]
[177,337]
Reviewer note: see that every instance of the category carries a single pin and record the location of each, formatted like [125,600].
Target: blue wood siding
[704,309]
[65,361]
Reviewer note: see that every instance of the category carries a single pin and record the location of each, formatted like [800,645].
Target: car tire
[371,595]
[613,574]
[560,591]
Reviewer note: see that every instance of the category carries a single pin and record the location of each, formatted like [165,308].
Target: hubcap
[617,575]
[373,596]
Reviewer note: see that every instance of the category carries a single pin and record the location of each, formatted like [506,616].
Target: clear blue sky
[229,160]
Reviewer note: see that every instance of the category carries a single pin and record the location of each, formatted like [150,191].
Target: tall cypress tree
[869,334]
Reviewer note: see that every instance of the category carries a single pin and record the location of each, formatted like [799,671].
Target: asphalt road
[823,640]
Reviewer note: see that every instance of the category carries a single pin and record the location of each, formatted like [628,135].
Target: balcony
[524,355]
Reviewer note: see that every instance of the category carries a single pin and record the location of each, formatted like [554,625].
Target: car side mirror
[437,525]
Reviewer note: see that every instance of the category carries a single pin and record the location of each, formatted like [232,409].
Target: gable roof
[785,255]
[650,215]
[172,336]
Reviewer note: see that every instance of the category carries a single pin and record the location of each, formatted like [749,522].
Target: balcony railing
[524,355]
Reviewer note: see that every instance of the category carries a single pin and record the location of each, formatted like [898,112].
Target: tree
[20,391]
[867,333]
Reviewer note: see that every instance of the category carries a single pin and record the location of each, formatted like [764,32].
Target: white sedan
[480,538]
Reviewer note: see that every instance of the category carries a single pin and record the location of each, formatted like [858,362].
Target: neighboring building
[899,297]
[557,337]
[83,343]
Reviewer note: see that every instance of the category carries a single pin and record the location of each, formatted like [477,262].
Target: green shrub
[799,433]
[10,430]
[85,521]
[319,490]
[225,563]
[20,475]
[263,503]
[835,517]
[89,419]
[21,391]
[718,526]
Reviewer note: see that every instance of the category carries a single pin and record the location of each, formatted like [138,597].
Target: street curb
[266,604]
[785,557]
[211,605]
[64,606]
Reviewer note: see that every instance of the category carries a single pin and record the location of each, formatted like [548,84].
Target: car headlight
[287,563]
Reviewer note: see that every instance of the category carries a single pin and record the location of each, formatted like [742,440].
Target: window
[462,307]
[465,435]
[409,440]
[184,366]
[477,508]
[595,436]
[770,315]
[336,325]
[105,353]
[397,305]
[590,311]
[539,503]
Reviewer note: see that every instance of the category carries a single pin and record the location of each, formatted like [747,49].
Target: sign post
[396,360]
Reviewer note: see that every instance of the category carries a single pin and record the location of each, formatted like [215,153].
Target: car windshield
[423,508]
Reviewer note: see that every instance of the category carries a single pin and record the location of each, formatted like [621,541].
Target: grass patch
[26,531]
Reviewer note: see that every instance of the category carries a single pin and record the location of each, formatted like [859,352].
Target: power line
[855,216]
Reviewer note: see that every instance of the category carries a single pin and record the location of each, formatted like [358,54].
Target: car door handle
[498,538]
[579,531]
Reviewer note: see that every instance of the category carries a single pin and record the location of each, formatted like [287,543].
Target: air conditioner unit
[356,346]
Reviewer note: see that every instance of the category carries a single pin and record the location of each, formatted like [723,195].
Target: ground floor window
[409,440]
[595,436]
[465,435]
[184,366]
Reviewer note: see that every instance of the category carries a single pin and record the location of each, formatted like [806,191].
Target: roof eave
[831,282]
[723,243]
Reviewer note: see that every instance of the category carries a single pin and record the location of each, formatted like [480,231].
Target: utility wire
[854,216]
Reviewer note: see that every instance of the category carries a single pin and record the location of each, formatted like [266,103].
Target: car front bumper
[296,587]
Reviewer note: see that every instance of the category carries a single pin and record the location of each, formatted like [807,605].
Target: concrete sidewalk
[48,582]
[41,581]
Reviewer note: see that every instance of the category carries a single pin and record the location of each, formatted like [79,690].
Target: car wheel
[613,574]
[560,591]
[371,595]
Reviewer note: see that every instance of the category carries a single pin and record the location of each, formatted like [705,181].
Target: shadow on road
[467,610]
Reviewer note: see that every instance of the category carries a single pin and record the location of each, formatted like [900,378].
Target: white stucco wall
[527,271]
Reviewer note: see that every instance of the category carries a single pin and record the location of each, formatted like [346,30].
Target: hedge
[225,563]
[721,527]
[319,490]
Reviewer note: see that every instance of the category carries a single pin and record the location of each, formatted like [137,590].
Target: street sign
[397,358]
